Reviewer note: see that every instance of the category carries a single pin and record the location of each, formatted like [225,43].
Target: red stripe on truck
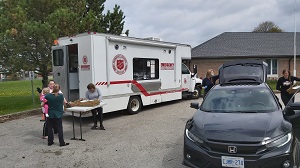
[140,87]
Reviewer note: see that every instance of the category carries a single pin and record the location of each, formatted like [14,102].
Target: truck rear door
[65,70]
[60,68]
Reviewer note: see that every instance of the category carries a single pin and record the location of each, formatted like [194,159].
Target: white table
[81,110]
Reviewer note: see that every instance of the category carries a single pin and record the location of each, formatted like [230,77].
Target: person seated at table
[94,93]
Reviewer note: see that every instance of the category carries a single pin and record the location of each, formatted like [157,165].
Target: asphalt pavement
[151,139]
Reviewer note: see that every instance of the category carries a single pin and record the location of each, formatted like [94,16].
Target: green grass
[16,96]
[272,84]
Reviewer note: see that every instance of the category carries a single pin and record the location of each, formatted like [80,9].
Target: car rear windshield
[246,100]
[243,70]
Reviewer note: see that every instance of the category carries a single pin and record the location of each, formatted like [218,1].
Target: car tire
[134,105]
[298,156]
[197,93]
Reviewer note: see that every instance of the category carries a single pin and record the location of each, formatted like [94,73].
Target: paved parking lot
[152,138]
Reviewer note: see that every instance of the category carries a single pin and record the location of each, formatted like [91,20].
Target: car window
[239,100]
[184,69]
[239,70]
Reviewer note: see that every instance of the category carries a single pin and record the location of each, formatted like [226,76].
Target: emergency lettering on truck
[130,72]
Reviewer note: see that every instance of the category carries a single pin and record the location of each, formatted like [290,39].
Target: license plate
[228,161]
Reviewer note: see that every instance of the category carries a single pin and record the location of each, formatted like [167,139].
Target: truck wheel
[197,93]
[134,105]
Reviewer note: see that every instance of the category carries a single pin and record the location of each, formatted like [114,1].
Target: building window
[145,69]
[272,66]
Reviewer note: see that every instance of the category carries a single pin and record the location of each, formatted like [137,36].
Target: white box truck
[130,72]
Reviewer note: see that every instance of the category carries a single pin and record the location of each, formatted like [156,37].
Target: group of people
[283,84]
[53,102]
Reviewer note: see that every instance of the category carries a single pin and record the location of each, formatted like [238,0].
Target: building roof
[248,44]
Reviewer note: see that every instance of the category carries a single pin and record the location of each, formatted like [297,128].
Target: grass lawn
[16,96]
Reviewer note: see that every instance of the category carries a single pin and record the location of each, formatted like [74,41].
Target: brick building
[277,49]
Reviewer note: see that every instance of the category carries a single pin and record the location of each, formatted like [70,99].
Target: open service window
[145,68]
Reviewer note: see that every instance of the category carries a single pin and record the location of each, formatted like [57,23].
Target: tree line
[29,27]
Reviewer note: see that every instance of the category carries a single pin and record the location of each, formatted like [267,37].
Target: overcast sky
[196,21]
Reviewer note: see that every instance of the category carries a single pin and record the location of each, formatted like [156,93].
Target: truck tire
[197,93]
[134,105]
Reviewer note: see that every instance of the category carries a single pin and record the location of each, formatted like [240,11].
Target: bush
[272,84]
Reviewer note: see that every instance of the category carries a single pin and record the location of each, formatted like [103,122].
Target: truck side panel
[124,67]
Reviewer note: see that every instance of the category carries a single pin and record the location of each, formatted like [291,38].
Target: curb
[20,115]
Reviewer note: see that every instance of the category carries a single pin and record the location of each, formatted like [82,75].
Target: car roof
[241,85]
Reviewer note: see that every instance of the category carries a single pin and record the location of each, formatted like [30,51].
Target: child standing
[45,108]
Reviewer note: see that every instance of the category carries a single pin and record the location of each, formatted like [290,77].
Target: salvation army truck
[130,72]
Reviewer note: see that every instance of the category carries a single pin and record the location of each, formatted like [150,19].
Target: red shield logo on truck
[119,64]
[84,59]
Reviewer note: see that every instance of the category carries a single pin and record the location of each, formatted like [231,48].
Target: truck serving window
[145,69]
[58,57]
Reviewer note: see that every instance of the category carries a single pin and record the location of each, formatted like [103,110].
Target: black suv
[240,123]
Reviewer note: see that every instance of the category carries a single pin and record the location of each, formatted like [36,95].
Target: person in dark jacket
[209,81]
[284,83]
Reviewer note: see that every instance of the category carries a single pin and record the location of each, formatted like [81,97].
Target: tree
[29,27]
[267,27]
[114,22]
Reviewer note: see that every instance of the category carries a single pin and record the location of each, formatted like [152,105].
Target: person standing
[55,102]
[284,83]
[51,84]
[209,81]
[94,93]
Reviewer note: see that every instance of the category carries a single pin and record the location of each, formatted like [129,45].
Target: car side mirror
[293,106]
[290,110]
[195,69]
[195,105]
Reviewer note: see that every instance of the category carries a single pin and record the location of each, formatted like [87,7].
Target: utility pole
[31,77]
[295,51]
